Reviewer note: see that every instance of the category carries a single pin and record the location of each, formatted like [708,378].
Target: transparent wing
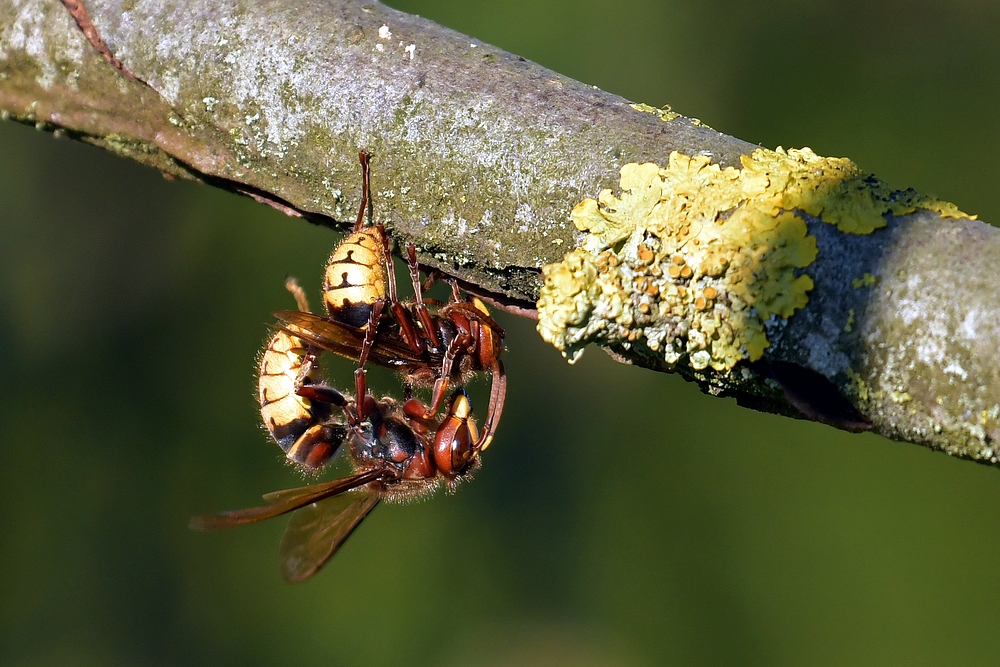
[345,340]
[283,501]
[316,531]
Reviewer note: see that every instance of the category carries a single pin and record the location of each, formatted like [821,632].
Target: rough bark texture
[479,158]
[920,358]
[479,154]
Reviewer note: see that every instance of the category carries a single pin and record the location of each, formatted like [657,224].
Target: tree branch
[479,159]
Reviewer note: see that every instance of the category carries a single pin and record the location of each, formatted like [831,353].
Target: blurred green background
[621,517]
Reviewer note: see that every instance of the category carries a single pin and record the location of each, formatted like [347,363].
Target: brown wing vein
[284,502]
[317,531]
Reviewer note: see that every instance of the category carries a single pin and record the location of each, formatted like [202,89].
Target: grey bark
[479,156]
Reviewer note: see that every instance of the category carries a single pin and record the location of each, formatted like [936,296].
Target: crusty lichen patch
[666,114]
[690,260]
[864,281]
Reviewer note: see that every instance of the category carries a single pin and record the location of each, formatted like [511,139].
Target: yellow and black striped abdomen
[300,426]
[356,277]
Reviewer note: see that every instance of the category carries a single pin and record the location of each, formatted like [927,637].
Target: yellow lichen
[946,209]
[861,388]
[572,292]
[908,201]
[833,189]
[671,236]
[863,281]
[900,397]
[665,113]
[850,321]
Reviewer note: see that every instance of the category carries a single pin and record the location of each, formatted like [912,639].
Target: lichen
[689,261]
[665,113]
[859,387]
[833,189]
[900,397]
[864,281]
